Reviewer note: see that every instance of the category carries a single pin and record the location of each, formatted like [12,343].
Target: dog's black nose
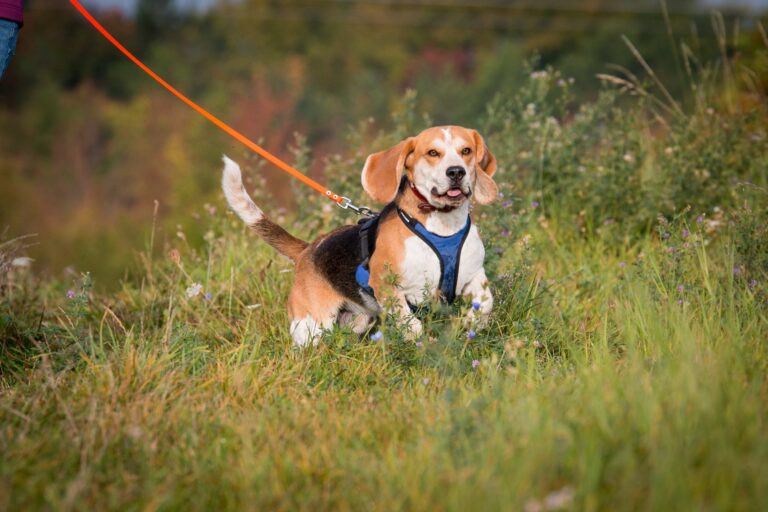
[456,173]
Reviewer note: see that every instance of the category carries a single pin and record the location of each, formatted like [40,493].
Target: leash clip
[347,204]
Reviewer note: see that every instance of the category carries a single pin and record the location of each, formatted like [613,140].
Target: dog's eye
[466,151]
[433,152]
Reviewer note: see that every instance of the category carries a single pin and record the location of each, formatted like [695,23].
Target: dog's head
[446,164]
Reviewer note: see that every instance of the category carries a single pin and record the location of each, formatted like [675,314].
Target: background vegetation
[625,364]
[87,143]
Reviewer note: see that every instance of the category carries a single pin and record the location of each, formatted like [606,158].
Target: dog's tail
[246,209]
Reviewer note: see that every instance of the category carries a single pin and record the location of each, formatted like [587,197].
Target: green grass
[594,387]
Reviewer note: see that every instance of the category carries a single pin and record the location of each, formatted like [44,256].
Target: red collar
[425,206]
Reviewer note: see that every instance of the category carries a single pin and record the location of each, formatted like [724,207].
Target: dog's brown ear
[383,170]
[486,190]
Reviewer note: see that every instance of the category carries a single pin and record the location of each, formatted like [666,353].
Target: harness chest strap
[446,248]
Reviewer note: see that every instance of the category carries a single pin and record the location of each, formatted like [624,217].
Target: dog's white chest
[420,272]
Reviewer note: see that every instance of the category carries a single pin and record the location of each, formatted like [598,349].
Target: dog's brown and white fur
[324,291]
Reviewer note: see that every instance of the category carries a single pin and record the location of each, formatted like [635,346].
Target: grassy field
[624,367]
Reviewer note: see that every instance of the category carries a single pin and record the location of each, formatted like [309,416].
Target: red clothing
[12,10]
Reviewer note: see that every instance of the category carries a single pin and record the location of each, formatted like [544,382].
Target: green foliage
[624,366]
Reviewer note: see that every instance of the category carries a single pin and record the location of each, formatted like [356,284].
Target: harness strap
[446,248]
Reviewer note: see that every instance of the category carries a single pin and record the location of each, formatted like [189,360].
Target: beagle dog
[423,245]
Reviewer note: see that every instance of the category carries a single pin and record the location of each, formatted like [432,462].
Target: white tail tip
[237,197]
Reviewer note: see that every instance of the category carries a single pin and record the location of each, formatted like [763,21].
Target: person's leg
[9,33]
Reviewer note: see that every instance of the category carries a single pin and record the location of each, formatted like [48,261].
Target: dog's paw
[478,315]
[414,328]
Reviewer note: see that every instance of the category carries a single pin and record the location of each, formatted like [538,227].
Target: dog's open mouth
[450,194]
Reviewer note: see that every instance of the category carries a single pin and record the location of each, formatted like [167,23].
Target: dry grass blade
[674,106]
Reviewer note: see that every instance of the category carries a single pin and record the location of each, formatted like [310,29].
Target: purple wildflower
[504,233]
[378,335]
[680,302]
[680,288]
[471,335]
[476,306]
[475,363]
[501,195]
[685,233]
[737,270]
[71,294]
[208,296]
[419,344]
[622,264]
[425,380]
[534,204]
[700,219]
[506,204]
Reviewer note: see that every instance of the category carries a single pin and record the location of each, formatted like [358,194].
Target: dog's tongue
[454,192]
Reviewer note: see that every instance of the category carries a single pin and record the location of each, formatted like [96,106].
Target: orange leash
[343,202]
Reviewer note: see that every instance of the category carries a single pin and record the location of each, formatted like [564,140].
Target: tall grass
[624,367]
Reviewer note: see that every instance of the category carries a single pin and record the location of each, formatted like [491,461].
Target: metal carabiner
[347,204]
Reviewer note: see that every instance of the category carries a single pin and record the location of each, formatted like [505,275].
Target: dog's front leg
[479,292]
[412,324]
[396,304]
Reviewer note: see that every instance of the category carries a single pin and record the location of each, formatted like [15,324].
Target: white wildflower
[22,262]
[194,290]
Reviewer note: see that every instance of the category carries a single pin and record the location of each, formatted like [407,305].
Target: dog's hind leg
[313,306]
[307,330]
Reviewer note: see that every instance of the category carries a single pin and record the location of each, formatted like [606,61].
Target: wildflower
[378,335]
[685,233]
[175,256]
[534,204]
[560,499]
[71,294]
[476,306]
[679,302]
[22,262]
[699,219]
[471,335]
[680,288]
[665,236]
[622,264]
[737,270]
[475,363]
[506,204]
[208,296]
[425,380]
[419,344]
[194,290]
[501,195]
[504,233]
